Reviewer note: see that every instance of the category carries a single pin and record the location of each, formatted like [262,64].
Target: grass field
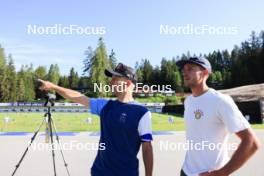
[76,122]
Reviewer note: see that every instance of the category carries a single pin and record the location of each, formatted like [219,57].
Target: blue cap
[201,61]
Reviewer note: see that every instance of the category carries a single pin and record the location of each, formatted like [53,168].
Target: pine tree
[95,64]
[3,91]
[139,73]
[20,89]
[147,71]
[178,81]
[11,79]
[40,72]
[64,82]
[54,73]
[112,59]
[28,77]
[73,79]
[89,59]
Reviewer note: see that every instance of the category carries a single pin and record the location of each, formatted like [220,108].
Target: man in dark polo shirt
[125,125]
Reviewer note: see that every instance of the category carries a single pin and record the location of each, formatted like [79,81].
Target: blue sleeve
[97,104]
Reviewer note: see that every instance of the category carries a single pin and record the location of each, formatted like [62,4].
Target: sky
[131,28]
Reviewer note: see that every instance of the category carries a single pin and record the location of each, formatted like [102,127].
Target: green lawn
[75,122]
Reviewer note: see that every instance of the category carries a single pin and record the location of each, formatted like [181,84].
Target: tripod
[49,102]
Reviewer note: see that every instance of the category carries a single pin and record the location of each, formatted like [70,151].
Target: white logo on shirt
[122,118]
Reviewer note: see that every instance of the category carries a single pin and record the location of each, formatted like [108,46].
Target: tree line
[21,86]
[243,65]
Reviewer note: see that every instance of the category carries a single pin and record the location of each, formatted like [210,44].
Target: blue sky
[132,28]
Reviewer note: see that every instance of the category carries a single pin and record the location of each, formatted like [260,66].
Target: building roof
[246,93]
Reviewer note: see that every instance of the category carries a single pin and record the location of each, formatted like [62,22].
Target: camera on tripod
[50,101]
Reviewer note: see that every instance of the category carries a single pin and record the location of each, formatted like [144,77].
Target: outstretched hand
[46,85]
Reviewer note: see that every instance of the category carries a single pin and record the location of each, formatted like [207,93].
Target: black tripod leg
[24,154]
[52,144]
[57,138]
